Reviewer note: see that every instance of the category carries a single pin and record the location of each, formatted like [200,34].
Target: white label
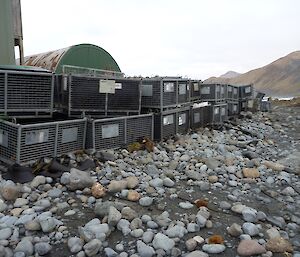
[65,83]
[3,138]
[235,90]
[229,89]
[169,87]
[205,90]
[234,107]
[196,117]
[247,89]
[118,85]
[107,86]
[111,130]
[217,110]
[182,119]
[196,87]
[223,111]
[168,120]
[36,136]
[69,135]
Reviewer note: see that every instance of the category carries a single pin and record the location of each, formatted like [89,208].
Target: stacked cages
[165,92]
[171,122]
[232,100]
[29,142]
[201,115]
[219,113]
[117,132]
[246,93]
[77,95]
[26,93]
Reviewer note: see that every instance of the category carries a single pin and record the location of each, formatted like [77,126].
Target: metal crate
[26,143]
[265,106]
[246,92]
[219,113]
[165,92]
[215,93]
[233,108]
[26,94]
[111,133]
[169,123]
[200,115]
[232,92]
[77,95]
[195,90]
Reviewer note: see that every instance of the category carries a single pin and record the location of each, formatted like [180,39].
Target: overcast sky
[194,38]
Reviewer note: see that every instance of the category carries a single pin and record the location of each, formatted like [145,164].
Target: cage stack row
[44,114]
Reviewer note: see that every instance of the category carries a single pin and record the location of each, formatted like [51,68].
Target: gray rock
[75,244]
[128,213]
[5,233]
[65,178]
[9,190]
[289,191]
[104,156]
[235,230]
[185,158]
[191,244]
[193,175]
[201,221]
[250,229]
[54,193]
[156,182]
[25,246]
[79,180]
[48,224]
[37,181]
[249,215]
[152,170]
[144,250]
[203,168]
[204,186]
[137,233]
[186,205]
[193,227]
[146,201]
[114,216]
[213,248]
[69,213]
[117,186]
[3,206]
[123,225]
[20,202]
[176,231]
[33,225]
[225,205]
[161,241]
[148,237]
[110,252]
[152,224]
[197,254]
[42,248]
[92,247]
[168,182]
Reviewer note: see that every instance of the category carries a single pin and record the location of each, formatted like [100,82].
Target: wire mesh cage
[246,92]
[111,133]
[165,92]
[233,108]
[200,115]
[219,113]
[215,93]
[78,95]
[195,90]
[29,142]
[232,92]
[169,123]
[26,93]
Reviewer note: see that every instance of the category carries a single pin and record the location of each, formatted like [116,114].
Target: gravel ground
[234,191]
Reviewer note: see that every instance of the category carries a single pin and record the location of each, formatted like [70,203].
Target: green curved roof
[82,55]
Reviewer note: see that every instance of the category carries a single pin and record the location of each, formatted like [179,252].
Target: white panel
[147,90]
[182,119]
[107,86]
[69,135]
[3,138]
[111,130]
[169,119]
[36,136]
[169,87]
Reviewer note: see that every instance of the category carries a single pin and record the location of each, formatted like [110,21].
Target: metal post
[125,130]
[69,96]
[84,133]
[152,129]
[106,104]
[161,94]
[93,134]
[19,144]
[52,95]
[5,92]
[55,140]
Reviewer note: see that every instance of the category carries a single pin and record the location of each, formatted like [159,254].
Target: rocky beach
[227,191]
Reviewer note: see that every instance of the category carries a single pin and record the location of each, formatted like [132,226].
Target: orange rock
[215,239]
[251,172]
[149,144]
[98,190]
[201,202]
[133,196]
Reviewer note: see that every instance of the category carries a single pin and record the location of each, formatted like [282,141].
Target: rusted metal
[48,60]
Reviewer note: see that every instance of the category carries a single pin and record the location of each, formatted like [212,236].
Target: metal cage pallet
[232,92]
[169,123]
[77,95]
[26,93]
[219,113]
[215,93]
[25,143]
[117,132]
[200,115]
[165,92]
[195,90]
[233,108]
[246,92]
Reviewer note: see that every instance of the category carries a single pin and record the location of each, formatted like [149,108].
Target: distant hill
[279,78]
[230,75]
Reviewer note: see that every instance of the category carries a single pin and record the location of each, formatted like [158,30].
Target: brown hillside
[279,78]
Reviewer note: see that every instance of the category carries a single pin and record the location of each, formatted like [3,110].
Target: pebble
[5,233]
[250,229]
[279,245]
[186,205]
[213,248]
[146,201]
[92,247]
[42,248]
[75,244]
[114,216]
[148,237]
[197,254]
[144,250]
[235,230]
[250,248]
[69,213]
[25,246]
[161,241]
[191,244]
[37,181]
